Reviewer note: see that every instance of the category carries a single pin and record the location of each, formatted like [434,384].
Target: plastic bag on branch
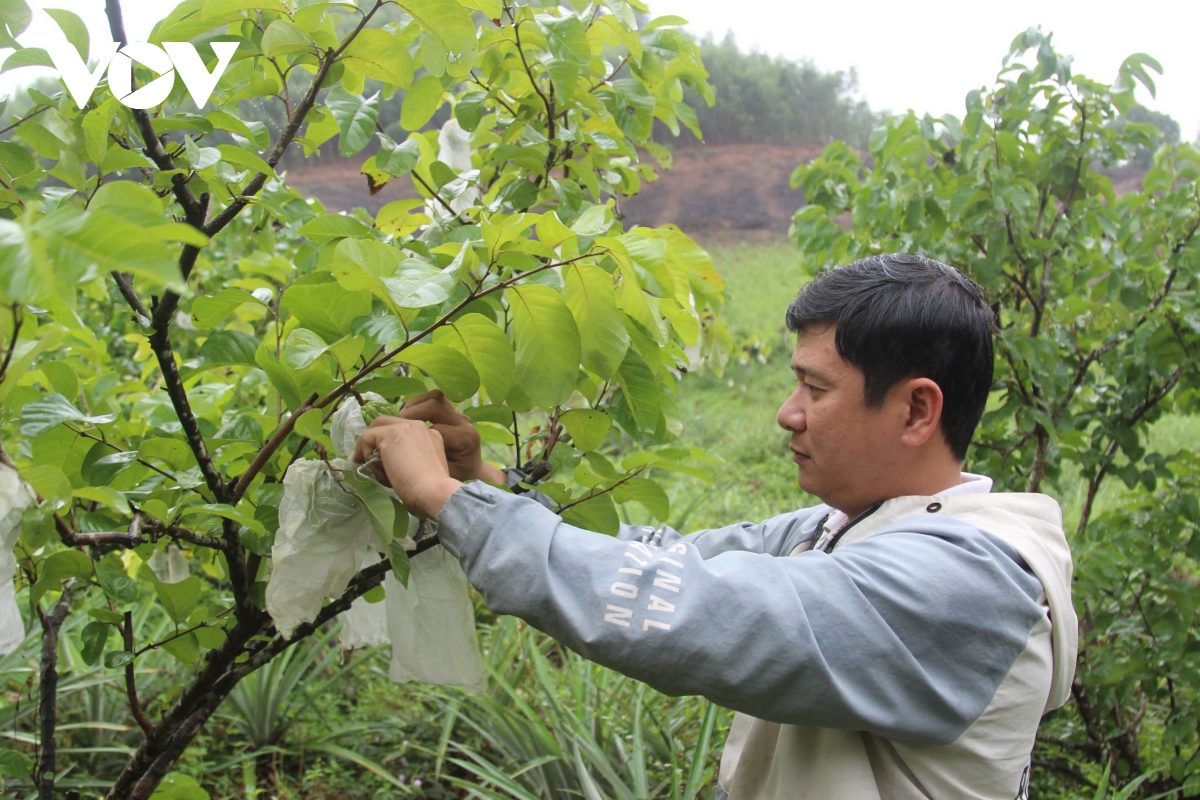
[432,625]
[169,565]
[15,497]
[324,533]
[365,624]
[348,424]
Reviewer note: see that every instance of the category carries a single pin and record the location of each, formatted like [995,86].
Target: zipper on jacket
[837,537]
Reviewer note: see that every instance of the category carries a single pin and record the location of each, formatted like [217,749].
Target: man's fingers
[433,409]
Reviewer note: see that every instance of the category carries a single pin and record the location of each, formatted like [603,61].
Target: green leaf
[103,495]
[58,568]
[378,504]
[547,343]
[355,117]
[417,284]
[177,786]
[280,376]
[28,57]
[283,38]
[225,348]
[453,28]
[116,659]
[567,38]
[587,427]
[39,416]
[302,347]
[646,492]
[175,452]
[186,648]
[641,391]
[326,308]
[421,102]
[115,583]
[332,226]
[470,109]
[178,599]
[592,299]
[380,55]
[401,566]
[73,28]
[399,159]
[598,514]
[209,311]
[94,637]
[450,369]
[104,469]
[488,347]
[14,764]
[95,130]
[226,511]
[50,482]
[240,157]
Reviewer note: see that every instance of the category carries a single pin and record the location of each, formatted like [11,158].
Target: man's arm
[905,634]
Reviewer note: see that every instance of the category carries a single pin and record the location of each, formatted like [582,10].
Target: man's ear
[923,399]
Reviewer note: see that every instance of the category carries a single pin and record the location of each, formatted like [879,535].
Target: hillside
[714,191]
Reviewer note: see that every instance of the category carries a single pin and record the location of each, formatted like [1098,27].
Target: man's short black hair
[904,316]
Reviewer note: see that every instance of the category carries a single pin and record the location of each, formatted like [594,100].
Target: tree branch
[48,695]
[160,343]
[135,708]
[293,127]
[12,342]
[593,494]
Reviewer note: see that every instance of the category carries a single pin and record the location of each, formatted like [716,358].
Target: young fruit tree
[1099,331]
[181,329]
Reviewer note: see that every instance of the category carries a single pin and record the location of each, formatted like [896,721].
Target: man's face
[843,448]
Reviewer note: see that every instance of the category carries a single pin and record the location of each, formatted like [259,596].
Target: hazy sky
[920,54]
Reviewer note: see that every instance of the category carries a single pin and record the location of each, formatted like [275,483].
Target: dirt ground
[708,192]
[712,192]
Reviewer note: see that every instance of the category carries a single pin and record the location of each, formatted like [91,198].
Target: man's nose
[791,415]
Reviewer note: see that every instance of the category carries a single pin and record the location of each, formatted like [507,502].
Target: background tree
[1099,331]
[179,325]
[764,98]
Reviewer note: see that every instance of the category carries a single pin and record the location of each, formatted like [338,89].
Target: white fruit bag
[365,624]
[15,497]
[432,625]
[322,529]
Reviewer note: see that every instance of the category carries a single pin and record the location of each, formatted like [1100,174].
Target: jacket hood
[1032,525]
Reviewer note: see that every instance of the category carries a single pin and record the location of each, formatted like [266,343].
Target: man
[902,640]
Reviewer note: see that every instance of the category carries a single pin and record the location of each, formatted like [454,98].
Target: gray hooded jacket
[914,660]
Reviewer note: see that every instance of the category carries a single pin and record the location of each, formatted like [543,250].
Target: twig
[8,186]
[135,708]
[593,494]
[117,449]
[25,118]
[12,342]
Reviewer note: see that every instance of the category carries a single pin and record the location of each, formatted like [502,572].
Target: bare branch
[12,342]
[135,708]
[160,343]
[48,695]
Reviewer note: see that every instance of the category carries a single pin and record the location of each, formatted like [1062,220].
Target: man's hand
[413,460]
[458,434]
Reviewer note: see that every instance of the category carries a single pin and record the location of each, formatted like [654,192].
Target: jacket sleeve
[907,634]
